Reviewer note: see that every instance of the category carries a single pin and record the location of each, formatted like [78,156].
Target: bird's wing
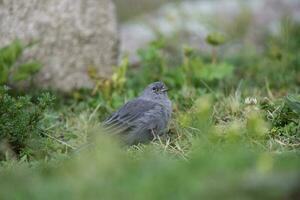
[124,119]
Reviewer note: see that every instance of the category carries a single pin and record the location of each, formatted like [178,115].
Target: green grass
[234,133]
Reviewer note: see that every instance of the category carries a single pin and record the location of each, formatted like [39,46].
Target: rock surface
[70,36]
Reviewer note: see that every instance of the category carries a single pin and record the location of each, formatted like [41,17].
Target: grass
[234,133]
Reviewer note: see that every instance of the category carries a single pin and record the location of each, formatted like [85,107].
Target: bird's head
[155,91]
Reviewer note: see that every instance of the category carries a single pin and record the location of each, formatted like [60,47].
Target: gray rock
[70,36]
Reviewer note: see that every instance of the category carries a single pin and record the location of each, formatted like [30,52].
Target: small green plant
[294,104]
[195,69]
[10,70]
[20,120]
[191,72]
[153,61]
[109,89]
[284,116]
[215,40]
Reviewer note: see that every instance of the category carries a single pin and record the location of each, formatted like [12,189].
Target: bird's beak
[165,89]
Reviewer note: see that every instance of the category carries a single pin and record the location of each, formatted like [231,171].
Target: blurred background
[191,21]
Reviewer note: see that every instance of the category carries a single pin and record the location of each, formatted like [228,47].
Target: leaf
[4,72]
[215,39]
[92,72]
[119,76]
[26,70]
[9,54]
[215,71]
[293,103]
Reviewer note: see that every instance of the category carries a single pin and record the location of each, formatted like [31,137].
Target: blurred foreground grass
[212,171]
[234,134]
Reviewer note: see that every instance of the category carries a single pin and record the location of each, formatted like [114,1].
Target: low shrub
[20,120]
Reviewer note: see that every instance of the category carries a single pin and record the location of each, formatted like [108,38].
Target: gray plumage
[143,118]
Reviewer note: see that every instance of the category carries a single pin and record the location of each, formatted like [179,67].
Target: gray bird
[142,119]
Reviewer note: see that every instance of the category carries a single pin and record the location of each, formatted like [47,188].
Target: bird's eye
[153,88]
